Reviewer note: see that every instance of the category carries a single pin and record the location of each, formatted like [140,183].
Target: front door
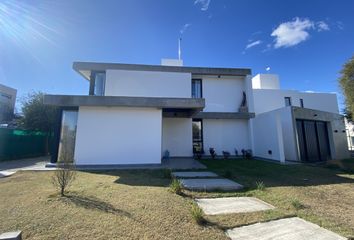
[197,131]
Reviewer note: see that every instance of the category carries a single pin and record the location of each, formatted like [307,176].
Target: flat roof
[85,68]
[111,101]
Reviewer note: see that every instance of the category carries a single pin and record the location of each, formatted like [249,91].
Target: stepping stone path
[193,174]
[205,181]
[283,229]
[214,206]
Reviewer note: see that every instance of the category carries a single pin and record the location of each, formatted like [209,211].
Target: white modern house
[135,114]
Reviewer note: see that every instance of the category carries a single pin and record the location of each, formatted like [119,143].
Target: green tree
[37,116]
[346,82]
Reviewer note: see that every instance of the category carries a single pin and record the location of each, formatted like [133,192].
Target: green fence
[16,144]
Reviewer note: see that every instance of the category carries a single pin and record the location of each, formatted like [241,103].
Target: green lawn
[138,204]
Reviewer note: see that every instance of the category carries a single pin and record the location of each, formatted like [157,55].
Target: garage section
[313,140]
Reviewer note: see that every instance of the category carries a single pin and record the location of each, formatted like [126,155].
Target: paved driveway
[8,168]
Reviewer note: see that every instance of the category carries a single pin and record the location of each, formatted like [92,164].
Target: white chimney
[265,81]
[172,62]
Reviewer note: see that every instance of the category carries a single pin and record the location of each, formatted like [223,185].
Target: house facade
[137,114]
[7,101]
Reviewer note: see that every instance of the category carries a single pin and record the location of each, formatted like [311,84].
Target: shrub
[176,186]
[212,153]
[260,186]
[297,204]
[197,214]
[226,154]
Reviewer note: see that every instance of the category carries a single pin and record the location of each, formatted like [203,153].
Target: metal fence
[16,144]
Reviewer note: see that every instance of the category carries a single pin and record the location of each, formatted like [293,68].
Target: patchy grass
[139,204]
[107,205]
[326,195]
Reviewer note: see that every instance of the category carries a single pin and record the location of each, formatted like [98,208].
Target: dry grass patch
[326,195]
[110,205]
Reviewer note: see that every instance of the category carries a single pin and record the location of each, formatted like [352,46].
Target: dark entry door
[313,140]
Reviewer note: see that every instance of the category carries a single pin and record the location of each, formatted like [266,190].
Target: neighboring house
[135,114]
[7,101]
[349,125]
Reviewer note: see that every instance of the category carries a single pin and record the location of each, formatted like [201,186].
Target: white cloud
[184,28]
[204,4]
[322,26]
[292,33]
[252,44]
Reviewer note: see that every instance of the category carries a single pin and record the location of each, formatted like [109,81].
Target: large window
[197,128]
[100,81]
[196,88]
[287,101]
[67,136]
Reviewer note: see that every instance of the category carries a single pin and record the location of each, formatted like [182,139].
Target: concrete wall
[177,137]
[226,135]
[222,94]
[265,81]
[147,84]
[289,134]
[268,136]
[270,99]
[118,135]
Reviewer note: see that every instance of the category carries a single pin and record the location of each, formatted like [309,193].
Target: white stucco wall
[268,136]
[265,81]
[222,94]
[288,133]
[226,135]
[177,137]
[147,84]
[270,99]
[117,135]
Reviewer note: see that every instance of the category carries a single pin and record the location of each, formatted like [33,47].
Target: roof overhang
[189,105]
[85,69]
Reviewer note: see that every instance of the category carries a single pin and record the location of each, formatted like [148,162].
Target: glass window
[67,136]
[301,102]
[197,128]
[196,88]
[287,101]
[100,79]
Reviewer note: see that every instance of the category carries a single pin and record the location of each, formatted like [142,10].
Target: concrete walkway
[8,168]
[194,174]
[283,229]
[214,206]
[182,163]
[210,184]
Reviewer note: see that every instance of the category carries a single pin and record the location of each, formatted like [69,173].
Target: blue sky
[305,42]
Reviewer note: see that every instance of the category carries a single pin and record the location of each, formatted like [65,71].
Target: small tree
[37,116]
[66,172]
[346,82]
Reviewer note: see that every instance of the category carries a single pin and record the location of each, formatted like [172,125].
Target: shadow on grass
[93,203]
[248,172]
[152,178]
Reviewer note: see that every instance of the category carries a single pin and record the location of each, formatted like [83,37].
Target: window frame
[201,135]
[201,87]
[286,104]
[302,102]
[93,83]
